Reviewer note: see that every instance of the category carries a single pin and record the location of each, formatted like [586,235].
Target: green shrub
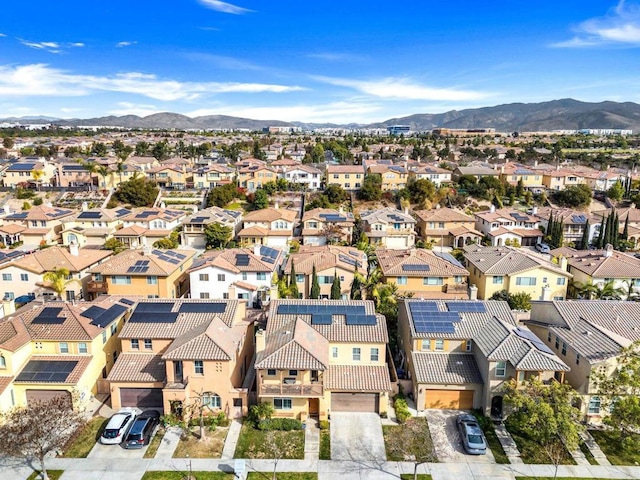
[285,424]
[402,409]
[24,193]
[37,201]
[324,424]
[262,411]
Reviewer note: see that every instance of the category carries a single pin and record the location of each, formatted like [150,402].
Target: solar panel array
[108,316]
[269,252]
[127,301]
[268,259]
[122,212]
[49,315]
[201,307]
[242,260]
[93,312]
[154,307]
[333,217]
[90,215]
[198,220]
[397,218]
[527,334]
[579,218]
[11,254]
[47,371]
[414,267]
[169,256]
[146,214]
[323,314]
[18,216]
[519,217]
[449,258]
[349,260]
[428,319]
[141,266]
[25,167]
[471,306]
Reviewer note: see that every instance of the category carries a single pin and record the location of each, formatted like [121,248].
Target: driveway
[446,438]
[115,451]
[356,436]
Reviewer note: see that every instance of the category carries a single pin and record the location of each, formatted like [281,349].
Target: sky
[324,61]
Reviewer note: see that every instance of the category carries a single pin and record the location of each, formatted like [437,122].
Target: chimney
[492,208]
[563,263]
[535,210]
[535,163]
[406,210]
[473,292]
[546,293]
[608,250]
[85,206]
[276,206]
[260,340]
[8,307]
[7,210]
[232,291]
[341,209]
[74,249]
[256,249]
[502,169]
[163,205]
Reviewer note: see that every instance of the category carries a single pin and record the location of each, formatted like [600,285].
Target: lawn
[82,443]
[531,452]
[283,476]
[152,449]
[325,445]
[492,439]
[254,443]
[190,445]
[421,476]
[408,441]
[613,448]
[587,454]
[173,475]
[53,474]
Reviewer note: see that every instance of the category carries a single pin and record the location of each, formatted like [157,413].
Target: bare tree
[411,442]
[38,429]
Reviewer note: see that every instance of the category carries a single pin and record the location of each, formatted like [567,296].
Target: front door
[177,371]
[314,407]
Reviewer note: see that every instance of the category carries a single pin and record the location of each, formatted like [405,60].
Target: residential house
[329,261]
[173,177]
[325,225]
[317,357]
[627,214]
[459,354]
[306,175]
[601,181]
[389,227]
[236,273]
[516,270]
[193,227]
[349,177]
[515,174]
[201,355]
[446,227]
[475,171]
[212,176]
[424,273]
[588,335]
[73,175]
[58,349]
[93,226]
[142,163]
[269,226]
[255,176]
[602,266]
[394,177]
[573,223]
[25,173]
[438,176]
[146,225]
[43,224]
[559,179]
[154,274]
[508,225]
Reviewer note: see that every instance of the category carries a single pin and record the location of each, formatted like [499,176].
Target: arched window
[211,400]
[3,362]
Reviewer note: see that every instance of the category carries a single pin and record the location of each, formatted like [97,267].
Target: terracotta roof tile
[138,367]
[392,262]
[51,258]
[358,378]
[325,257]
[119,264]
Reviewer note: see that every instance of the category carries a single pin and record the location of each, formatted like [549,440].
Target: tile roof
[451,369]
[214,214]
[325,257]
[146,214]
[42,212]
[316,213]
[386,215]
[52,258]
[443,214]
[344,169]
[270,214]
[392,262]
[596,263]
[507,260]
[506,214]
[138,367]
[358,378]
[73,377]
[4,383]
[228,260]
[121,263]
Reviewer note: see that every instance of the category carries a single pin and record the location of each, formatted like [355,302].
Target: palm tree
[585,290]
[631,294]
[609,292]
[103,170]
[57,280]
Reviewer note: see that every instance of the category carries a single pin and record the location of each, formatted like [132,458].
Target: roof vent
[458,362]
[588,333]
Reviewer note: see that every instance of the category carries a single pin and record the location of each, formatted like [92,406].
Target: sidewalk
[169,442]
[231,441]
[311,440]
[508,445]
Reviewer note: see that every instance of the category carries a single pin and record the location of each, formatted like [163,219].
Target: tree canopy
[217,235]
[575,196]
[371,187]
[138,192]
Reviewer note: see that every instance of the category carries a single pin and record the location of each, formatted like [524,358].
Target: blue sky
[324,61]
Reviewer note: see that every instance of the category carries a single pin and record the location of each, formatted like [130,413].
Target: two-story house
[516,270]
[509,224]
[73,175]
[255,176]
[438,176]
[43,224]
[394,177]
[559,179]
[144,226]
[322,356]
[329,261]
[514,174]
[349,177]
[40,173]
[169,176]
[93,226]
[269,226]
[325,225]
[236,273]
[194,226]
[459,354]
[389,227]
[446,227]
[306,175]
[212,176]
[425,273]
[181,352]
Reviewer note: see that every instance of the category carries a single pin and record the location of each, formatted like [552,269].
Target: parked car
[471,434]
[543,248]
[142,429]
[118,425]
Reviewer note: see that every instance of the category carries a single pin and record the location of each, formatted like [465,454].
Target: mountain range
[564,114]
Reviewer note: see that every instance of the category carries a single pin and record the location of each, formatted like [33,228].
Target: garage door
[454,399]
[354,402]
[141,397]
[46,396]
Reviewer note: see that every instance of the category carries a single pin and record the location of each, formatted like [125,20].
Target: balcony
[98,287]
[456,288]
[179,383]
[291,390]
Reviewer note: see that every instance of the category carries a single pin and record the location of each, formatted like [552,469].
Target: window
[71,295]
[6,277]
[225,296]
[221,277]
[545,280]
[271,372]
[64,347]
[263,276]
[148,344]
[204,295]
[558,297]
[299,278]
[432,281]
[198,367]
[457,278]
[549,337]
[594,405]
[9,295]
[355,354]
[114,328]
[244,275]
[501,369]
[439,345]
[204,277]
[498,279]
[293,373]
[243,296]
[104,336]
[526,281]
[467,346]
[121,279]
[211,400]
[334,352]
[3,362]
[402,280]
[282,403]
[24,277]
[557,342]
[564,349]
[135,344]
[577,359]
[375,354]
[153,296]
[325,279]
[82,347]
[426,345]
[561,281]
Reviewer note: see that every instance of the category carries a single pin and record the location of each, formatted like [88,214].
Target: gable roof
[597,263]
[507,261]
[422,263]
[270,214]
[49,259]
[160,264]
[443,214]
[325,257]
[387,215]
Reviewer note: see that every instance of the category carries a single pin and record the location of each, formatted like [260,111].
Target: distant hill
[565,114]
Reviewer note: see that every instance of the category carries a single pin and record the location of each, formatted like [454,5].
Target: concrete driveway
[356,436]
[116,451]
[446,438]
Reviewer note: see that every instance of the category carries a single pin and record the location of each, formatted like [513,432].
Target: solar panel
[50,371]
[268,259]
[321,319]
[415,268]
[449,258]
[434,327]
[49,315]
[529,335]
[122,212]
[471,306]
[93,312]
[154,307]
[200,307]
[90,215]
[242,259]
[127,301]
[109,315]
[361,320]
[153,317]
[269,252]
[349,260]
[421,306]
[198,220]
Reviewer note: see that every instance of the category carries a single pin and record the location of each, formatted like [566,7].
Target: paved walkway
[231,442]
[169,442]
[508,444]
[311,440]
[598,454]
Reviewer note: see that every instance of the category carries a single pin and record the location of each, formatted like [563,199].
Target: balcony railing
[179,383]
[97,287]
[292,390]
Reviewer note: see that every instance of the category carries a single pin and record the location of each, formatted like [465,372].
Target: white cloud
[3,34]
[335,56]
[142,110]
[42,80]
[224,7]
[51,47]
[403,88]
[125,44]
[620,26]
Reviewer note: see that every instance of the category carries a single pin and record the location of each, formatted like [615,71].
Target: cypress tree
[560,233]
[336,288]
[607,231]
[600,234]
[584,243]
[315,286]
[549,225]
[625,232]
[615,231]
[293,285]
[356,286]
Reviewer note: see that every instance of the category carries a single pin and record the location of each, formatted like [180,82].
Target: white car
[118,426]
[543,248]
